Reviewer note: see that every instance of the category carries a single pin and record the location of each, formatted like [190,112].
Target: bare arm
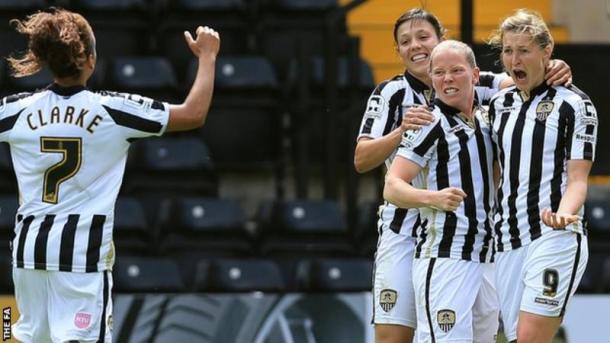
[371,153]
[573,198]
[192,113]
[399,192]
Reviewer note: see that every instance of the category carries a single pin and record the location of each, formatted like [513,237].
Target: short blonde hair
[455,45]
[524,21]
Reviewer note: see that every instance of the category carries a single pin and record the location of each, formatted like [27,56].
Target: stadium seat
[305,228]
[132,233]
[8,210]
[30,83]
[146,274]
[8,182]
[605,275]
[591,279]
[597,213]
[179,164]
[318,73]
[365,232]
[205,227]
[233,275]
[121,27]
[341,275]
[149,76]
[6,272]
[228,17]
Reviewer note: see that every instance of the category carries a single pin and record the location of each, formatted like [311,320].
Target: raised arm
[192,113]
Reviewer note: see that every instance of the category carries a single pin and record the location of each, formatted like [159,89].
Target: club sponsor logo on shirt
[446,319]
[544,301]
[375,106]
[585,138]
[387,299]
[543,109]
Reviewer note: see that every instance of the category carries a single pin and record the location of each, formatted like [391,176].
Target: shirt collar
[415,83]
[65,91]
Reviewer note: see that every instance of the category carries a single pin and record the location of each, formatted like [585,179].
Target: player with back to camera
[69,147]
[416,32]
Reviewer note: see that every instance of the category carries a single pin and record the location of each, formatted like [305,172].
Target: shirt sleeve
[419,145]
[584,137]
[377,118]
[489,84]
[10,109]
[141,116]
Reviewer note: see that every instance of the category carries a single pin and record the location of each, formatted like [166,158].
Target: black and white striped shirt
[69,148]
[455,153]
[385,108]
[535,138]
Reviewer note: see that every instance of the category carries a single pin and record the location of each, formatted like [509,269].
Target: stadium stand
[133,234]
[234,275]
[146,274]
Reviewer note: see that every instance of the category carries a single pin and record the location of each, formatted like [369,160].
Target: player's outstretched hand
[557,220]
[416,117]
[206,41]
[448,199]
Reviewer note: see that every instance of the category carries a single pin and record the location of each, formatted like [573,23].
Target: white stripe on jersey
[535,138]
[453,154]
[69,148]
[384,111]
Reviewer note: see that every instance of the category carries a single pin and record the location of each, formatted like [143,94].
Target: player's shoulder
[502,94]
[127,102]
[391,86]
[19,101]
[571,94]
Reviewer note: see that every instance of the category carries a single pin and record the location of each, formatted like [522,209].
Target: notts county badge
[446,319]
[387,299]
[544,108]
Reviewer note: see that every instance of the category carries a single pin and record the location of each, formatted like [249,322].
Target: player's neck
[70,82]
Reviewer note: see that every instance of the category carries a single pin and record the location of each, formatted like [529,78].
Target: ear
[547,52]
[476,72]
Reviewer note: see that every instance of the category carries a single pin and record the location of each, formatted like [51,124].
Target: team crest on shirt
[446,319]
[484,115]
[409,137]
[544,108]
[387,299]
[374,107]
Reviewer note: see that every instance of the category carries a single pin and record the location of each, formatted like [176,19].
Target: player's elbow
[360,164]
[389,189]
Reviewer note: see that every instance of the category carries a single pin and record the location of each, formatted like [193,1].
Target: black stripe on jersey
[40,246]
[442,181]
[95,242]
[422,237]
[16,97]
[66,248]
[486,191]
[486,80]
[415,226]
[515,164]
[435,134]
[21,241]
[565,130]
[508,102]
[399,218]
[536,159]
[427,298]
[7,123]
[133,122]
[157,105]
[573,276]
[470,207]
[368,126]
[394,103]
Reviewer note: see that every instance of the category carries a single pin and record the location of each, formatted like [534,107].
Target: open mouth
[450,90]
[419,57]
[519,74]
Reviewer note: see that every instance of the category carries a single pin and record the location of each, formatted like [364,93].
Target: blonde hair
[59,39]
[524,21]
[455,45]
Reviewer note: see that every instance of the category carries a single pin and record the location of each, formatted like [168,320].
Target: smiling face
[416,39]
[524,59]
[453,77]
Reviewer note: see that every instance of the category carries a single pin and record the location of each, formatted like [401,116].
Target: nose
[415,44]
[515,59]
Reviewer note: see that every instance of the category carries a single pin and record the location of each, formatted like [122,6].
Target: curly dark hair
[59,39]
